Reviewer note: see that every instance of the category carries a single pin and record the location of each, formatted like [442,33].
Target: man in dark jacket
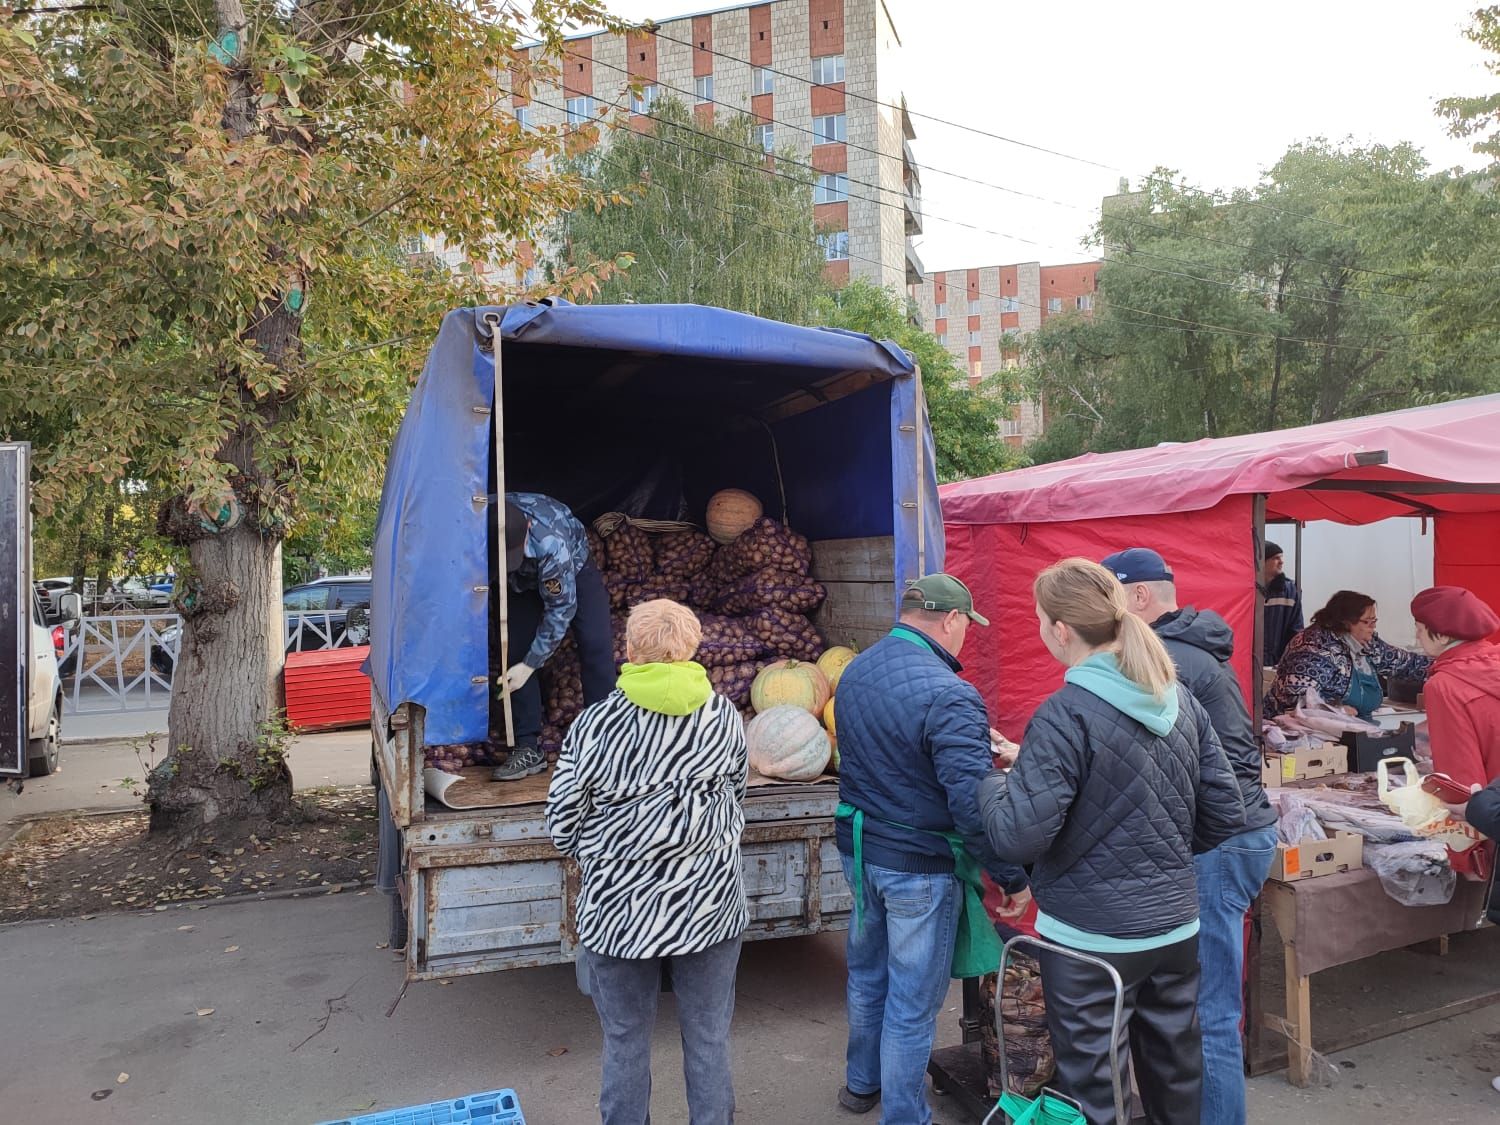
[914,743]
[1201,643]
[1283,602]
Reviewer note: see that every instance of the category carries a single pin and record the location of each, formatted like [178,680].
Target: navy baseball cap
[1138,564]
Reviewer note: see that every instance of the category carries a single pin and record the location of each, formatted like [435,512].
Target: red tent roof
[1311,473]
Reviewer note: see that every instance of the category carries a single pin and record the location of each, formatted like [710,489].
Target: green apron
[976,947]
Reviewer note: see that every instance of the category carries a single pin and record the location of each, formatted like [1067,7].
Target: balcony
[906,127]
[914,272]
[913,201]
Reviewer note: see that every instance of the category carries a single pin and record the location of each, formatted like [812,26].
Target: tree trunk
[106,556]
[226,773]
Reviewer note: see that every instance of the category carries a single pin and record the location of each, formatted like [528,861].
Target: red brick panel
[975,355]
[830,158]
[703,113]
[939,288]
[578,68]
[973,283]
[760,107]
[940,326]
[973,324]
[836,273]
[1009,321]
[831,216]
[1008,281]
[760,35]
[825,27]
[827,99]
[640,56]
[703,45]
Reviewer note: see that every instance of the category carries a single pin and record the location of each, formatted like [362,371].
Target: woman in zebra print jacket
[647,798]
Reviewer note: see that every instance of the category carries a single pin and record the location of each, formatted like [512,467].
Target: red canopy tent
[1204,506]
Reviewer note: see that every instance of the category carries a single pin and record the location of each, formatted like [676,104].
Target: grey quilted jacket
[1109,815]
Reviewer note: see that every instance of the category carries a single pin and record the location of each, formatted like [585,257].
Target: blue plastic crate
[493,1107]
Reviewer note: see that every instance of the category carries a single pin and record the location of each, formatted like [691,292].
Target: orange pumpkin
[833,662]
[731,512]
[790,682]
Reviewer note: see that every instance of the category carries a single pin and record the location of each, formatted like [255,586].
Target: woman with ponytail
[1119,781]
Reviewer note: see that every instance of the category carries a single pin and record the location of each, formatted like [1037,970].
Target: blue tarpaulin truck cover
[830,418]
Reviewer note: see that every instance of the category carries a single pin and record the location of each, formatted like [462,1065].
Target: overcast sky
[1215,90]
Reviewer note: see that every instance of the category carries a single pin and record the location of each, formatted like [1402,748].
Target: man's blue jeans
[1229,878]
[899,955]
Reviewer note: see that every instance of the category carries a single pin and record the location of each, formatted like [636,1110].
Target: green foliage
[200,287]
[965,420]
[1344,283]
[1479,115]
[693,204]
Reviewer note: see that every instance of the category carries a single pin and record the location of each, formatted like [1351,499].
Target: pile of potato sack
[749,584]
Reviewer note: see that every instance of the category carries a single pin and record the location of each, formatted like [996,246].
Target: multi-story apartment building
[821,79]
[982,315]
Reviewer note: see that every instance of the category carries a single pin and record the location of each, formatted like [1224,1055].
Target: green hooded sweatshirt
[1100,675]
[667,689]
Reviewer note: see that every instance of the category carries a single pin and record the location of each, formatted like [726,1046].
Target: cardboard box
[1329,759]
[1313,858]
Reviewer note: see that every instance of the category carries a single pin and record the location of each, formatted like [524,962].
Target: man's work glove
[515,677]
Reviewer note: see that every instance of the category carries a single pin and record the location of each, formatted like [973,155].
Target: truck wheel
[398,922]
[45,751]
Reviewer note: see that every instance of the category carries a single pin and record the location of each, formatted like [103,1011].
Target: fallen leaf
[186,929]
[100,1095]
[232,949]
[445,983]
[558,1052]
[122,1078]
[205,1011]
[239,851]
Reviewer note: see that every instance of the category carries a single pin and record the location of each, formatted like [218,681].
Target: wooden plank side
[871,559]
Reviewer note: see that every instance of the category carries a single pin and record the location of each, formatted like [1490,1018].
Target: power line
[902,108]
[781,122]
[1189,324]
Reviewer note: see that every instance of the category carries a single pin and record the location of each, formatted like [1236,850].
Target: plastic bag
[1317,716]
[1414,872]
[1297,822]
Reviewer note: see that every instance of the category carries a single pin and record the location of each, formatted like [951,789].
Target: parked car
[326,613]
[150,592]
[44,706]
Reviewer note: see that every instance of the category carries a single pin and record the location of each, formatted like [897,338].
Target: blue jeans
[625,992]
[1229,878]
[899,956]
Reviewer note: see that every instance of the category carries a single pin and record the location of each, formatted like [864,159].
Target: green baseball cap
[940,593]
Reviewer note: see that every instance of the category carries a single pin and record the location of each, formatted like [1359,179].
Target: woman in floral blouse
[1341,655]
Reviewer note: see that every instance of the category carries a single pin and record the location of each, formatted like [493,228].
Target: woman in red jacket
[1462,693]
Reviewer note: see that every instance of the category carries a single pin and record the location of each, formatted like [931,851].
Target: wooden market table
[1334,920]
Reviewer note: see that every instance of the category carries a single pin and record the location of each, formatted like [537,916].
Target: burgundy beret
[1454,612]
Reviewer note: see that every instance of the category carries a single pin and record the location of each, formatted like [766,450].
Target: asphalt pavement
[275,1012]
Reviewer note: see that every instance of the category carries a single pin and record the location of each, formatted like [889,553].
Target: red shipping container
[325,690]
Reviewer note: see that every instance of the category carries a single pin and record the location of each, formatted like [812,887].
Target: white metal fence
[126,661]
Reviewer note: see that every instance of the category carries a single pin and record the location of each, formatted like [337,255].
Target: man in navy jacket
[914,744]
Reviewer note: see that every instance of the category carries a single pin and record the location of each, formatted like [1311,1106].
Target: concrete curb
[201,904]
[14,829]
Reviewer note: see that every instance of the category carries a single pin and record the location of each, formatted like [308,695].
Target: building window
[580,110]
[1010,304]
[974,338]
[765,136]
[828,70]
[1009,427]
[942,338]
[973,306]
[762,81]
[829,130]
[832,187]
[528,279]
[976,371]
[1054,304]
[642,102]
[411,245]
[942,310]
[703,88]
[524,118]
[1085,303]
[835,245]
